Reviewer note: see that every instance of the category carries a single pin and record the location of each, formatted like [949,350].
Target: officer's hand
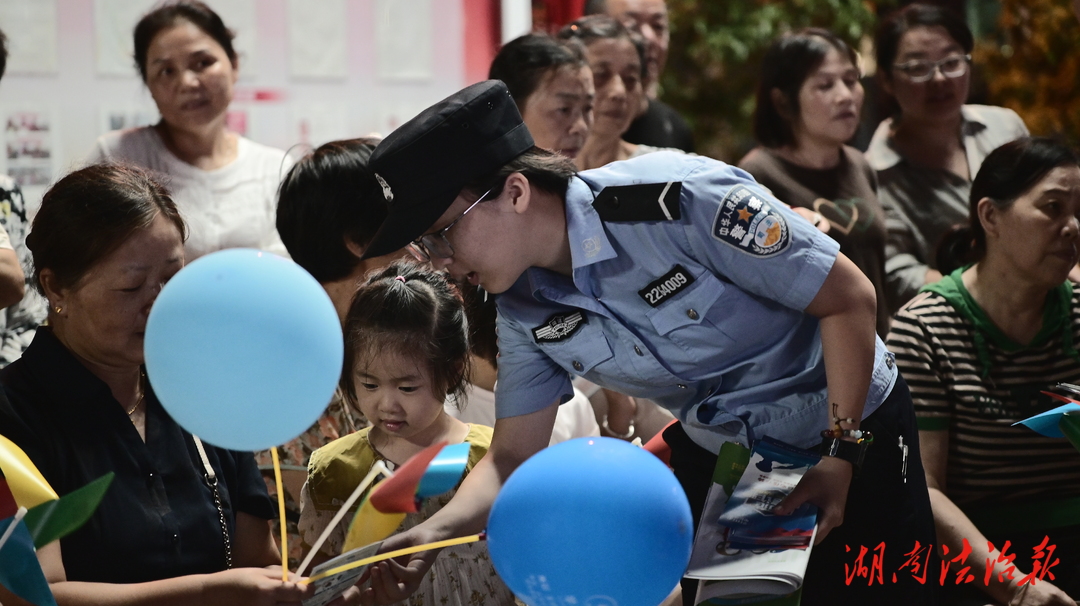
[826,485]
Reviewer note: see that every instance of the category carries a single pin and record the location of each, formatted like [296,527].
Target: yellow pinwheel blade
[24,480]
[370,525]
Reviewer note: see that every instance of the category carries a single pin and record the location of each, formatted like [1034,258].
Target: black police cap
[424,164]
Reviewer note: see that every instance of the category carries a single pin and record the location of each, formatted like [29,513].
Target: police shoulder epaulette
[643,202]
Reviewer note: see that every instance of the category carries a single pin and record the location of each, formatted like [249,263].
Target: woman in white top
[225,185]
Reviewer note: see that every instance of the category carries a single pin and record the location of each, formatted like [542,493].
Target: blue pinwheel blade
[20,572]
[445,471]
[1047,422]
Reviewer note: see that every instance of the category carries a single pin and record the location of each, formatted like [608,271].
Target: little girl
[406,351]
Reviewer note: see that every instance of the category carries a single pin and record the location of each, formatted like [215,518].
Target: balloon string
[281,514]
[392,554]
[379,468]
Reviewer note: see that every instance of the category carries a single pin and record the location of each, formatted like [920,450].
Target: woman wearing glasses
[926,154]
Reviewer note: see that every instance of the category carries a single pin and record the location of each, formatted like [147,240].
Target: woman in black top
[808,103]
[78,402]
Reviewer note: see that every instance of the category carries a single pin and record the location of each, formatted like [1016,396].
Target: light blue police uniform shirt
[702,314]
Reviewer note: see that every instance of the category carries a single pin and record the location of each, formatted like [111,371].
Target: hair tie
[402,278]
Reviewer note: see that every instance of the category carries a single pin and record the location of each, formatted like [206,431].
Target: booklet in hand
[742,552]
[773,471]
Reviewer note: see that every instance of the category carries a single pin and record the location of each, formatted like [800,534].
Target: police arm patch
[751,224]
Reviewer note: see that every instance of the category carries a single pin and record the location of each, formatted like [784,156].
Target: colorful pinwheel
[40,517]
[430,472]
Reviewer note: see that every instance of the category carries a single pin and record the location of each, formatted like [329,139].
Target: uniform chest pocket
[581,352]
[682,319]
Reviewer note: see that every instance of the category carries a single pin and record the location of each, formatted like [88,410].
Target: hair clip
[402,278]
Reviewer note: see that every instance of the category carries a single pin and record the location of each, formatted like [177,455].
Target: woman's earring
[59,309]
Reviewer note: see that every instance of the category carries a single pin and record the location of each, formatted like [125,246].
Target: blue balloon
[594,522]
[244,349]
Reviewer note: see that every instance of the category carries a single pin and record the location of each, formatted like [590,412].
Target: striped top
[990,462]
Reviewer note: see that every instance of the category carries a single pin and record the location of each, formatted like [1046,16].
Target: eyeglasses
[920,71]
[436,246]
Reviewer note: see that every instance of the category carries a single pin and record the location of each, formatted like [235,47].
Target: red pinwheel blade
[1061,398]
[659,447]
[397,494]
[8,507]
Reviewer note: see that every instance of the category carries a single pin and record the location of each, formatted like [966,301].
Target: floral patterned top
[19,322]
[339,420]
[462,575]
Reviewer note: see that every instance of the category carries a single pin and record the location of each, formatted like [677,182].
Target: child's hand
[392,581]
[351,597]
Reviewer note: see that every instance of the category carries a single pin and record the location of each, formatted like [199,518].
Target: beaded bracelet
[839,432]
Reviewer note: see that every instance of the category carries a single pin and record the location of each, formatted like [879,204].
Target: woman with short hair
[552,87]
[808,103]
[978,349]
[104,242]
[617,59]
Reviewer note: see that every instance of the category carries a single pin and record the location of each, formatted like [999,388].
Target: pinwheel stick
[379,468]
[11,527]
[392,554]
[281,517]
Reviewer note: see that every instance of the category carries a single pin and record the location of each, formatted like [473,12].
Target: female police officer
[668,277]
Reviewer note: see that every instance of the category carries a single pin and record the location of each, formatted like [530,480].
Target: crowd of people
[494,263]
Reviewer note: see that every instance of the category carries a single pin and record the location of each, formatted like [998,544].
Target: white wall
[76,98]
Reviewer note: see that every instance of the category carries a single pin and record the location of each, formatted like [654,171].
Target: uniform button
[637,350]
[692,314]
[615,202]
[889,361]
[681,386]
[151,475]
[577,366]
[175,538]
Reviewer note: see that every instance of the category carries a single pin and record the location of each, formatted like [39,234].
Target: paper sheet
[317,47]
[30,27]
[403,34]
[29,142]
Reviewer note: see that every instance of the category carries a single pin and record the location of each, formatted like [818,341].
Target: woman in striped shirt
[977,349]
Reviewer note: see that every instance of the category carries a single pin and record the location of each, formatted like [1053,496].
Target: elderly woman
[223,183]
[977,350]
[808,103]
[617,59]
[926,154]
[552,87]
[78,402]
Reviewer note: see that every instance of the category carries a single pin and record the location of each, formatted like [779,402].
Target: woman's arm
[12,280]
[239,586]
[953,526]
[254,543]
[515,439]
[847,307]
